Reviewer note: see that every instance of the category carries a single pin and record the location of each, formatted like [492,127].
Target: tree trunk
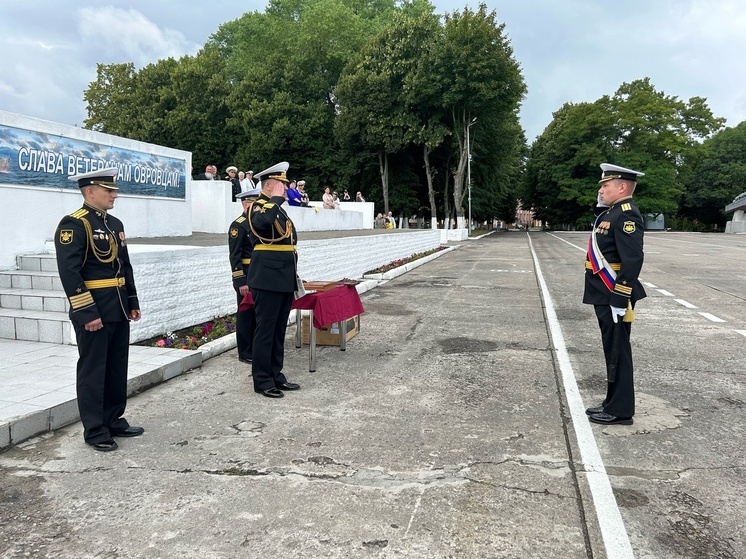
[430,191]
[383,169]
[458,175]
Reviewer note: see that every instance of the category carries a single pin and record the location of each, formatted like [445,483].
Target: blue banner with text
[29,158]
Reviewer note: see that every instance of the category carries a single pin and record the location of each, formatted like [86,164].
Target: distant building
[737,206]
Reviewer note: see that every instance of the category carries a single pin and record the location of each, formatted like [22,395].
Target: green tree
[372,108]
[718,177]
[111,99]
[637,127]
[478,77]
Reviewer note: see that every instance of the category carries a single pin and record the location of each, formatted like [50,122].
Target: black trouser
[245,326]
[102,379]
[620,394]
[272,311]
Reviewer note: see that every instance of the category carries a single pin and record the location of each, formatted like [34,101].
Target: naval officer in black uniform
[613,263]
[272,280]
[97,277]
[239,253]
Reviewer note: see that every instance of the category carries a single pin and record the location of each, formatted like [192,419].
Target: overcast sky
[570,50]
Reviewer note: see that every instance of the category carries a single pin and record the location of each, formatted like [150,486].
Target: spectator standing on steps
[235,183]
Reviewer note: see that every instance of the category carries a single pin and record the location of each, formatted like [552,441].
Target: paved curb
[396,272]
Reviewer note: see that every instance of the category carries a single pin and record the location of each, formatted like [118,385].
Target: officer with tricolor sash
[612,267]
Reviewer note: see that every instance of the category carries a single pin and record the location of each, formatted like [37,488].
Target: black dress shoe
[270,393]
[288,386]
[605,419]
[597,409]
[130,432]
[245,359]
[105,446]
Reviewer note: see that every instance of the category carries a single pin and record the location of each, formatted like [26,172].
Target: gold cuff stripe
[101,284]
[614,266]
[246,261]
[238,274]
[277,248]
[623,289]
[82,300]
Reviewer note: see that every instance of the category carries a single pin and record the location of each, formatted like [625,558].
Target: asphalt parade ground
[452,427]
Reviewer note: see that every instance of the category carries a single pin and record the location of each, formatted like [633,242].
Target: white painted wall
[29,215]
[184,286]
[319,219]
[365,208]
[212,209]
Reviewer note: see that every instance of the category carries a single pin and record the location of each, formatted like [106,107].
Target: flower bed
[195,336]
[402,261]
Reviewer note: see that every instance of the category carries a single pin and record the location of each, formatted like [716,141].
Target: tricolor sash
[599,265]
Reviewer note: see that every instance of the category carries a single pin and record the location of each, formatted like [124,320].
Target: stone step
[37,262]
[36,326]
[33,299]
[30,279]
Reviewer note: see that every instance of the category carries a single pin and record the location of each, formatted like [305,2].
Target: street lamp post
[468,167]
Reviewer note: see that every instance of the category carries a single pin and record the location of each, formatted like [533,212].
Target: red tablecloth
[337,304]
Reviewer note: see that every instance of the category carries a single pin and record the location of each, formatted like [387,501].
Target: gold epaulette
[269,204]
[77,214]
[626,207]
[240,219]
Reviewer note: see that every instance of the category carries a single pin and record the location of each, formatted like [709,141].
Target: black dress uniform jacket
[273,237]
[91,257]
[239,250]
[619,233]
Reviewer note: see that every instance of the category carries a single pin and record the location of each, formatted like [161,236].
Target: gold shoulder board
[240,219]
[79,213]
[626,207]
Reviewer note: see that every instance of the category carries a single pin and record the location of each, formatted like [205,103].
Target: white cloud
[128,35]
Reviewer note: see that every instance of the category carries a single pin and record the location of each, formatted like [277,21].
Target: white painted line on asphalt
[687,304]
[584,249]
[711,317]
[613,532]
[742,332]
[648,284]
[664,292]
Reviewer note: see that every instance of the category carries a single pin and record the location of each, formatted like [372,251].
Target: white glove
[617,312]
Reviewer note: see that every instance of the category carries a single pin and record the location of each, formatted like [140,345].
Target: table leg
[342,335]
[298,318]
[311,344]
